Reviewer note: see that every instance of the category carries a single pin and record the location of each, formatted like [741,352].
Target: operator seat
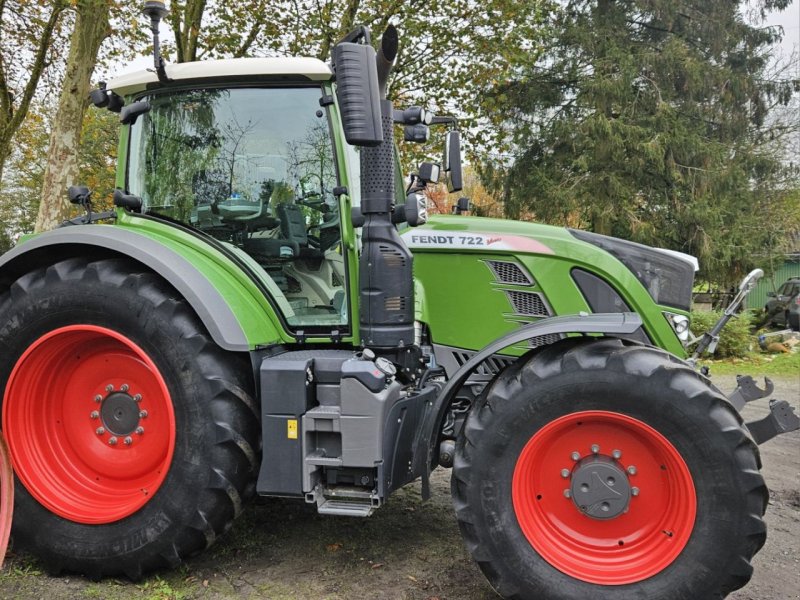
[293,228]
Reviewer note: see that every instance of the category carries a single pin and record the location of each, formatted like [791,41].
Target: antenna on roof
[156,10]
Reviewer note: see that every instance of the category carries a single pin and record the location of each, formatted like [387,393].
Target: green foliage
[21,187]
[735,340]
[758,365]
[31,45]
[452,52]
[648,120]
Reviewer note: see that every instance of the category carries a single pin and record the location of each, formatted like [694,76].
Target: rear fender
[223,308]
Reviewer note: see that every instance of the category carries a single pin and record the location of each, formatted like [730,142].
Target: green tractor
[269,311]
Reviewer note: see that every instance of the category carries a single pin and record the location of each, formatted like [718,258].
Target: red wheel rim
[625,549]
[89,423]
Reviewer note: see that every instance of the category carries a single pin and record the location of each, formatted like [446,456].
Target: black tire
[793,321]
[640,382]
[216,433]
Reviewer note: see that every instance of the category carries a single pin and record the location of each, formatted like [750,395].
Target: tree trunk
[186,25]
[91,28]
[14,103]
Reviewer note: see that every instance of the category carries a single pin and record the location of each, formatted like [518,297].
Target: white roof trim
[692,260]
[311,68]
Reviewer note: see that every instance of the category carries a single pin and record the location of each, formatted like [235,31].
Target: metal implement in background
[710,339]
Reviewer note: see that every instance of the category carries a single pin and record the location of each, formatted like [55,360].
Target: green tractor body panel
[465,304]
[245,297]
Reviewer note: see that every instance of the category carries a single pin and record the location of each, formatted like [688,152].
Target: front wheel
[599,469]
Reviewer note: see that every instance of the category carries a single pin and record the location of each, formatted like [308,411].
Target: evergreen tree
[650,120]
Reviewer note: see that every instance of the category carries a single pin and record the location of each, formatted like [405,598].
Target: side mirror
[357,91]
[771,294]
[452,161]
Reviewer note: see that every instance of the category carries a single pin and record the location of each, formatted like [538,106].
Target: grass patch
[757,363]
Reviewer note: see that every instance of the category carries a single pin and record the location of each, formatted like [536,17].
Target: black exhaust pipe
[386,285]
[386,57]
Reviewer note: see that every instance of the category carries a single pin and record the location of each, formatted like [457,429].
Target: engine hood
[465,234]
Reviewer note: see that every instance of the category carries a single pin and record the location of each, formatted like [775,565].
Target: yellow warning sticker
[291,429]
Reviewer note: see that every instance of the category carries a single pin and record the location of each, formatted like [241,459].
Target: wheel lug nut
[576,456]
[595,448]
[140,430]
[617,454]
[567,494]
[98,398]
[112,441]
[100,430]
[128,440]
[634,491]
[565,473]
[142,414]
[109,388]
[632,470]
[94,415]
[137,398]
[125,387]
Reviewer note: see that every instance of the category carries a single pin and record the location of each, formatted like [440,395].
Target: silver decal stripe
[445,239]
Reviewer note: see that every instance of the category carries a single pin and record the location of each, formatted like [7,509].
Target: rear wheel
[132,435]
[597,469]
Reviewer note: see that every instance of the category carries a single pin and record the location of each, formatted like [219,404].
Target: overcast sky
[790,21]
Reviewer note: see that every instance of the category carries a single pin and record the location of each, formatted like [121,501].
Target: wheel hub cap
[120,413]
[600,488]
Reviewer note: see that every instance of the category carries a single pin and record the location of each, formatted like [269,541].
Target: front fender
[601,323]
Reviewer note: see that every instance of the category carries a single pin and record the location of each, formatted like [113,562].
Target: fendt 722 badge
[268,312]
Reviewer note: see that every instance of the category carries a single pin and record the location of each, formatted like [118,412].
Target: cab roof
[228,69]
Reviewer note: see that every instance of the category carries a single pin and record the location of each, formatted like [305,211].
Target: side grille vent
[395,303]
[528,303]
[491,366]
[509,273]
[392,257]
[544,340]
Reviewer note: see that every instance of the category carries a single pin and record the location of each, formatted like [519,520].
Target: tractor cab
[252,165]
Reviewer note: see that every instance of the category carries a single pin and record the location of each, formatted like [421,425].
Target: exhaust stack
[386,283]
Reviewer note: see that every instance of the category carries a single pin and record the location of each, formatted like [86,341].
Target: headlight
[667,277]
[680,323]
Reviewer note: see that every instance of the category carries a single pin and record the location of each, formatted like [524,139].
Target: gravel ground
[408,550]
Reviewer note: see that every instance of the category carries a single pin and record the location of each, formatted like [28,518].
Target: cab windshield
[254,168]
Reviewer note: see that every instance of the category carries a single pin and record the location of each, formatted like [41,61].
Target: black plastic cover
[357,91]
[668,279]
[602,298]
